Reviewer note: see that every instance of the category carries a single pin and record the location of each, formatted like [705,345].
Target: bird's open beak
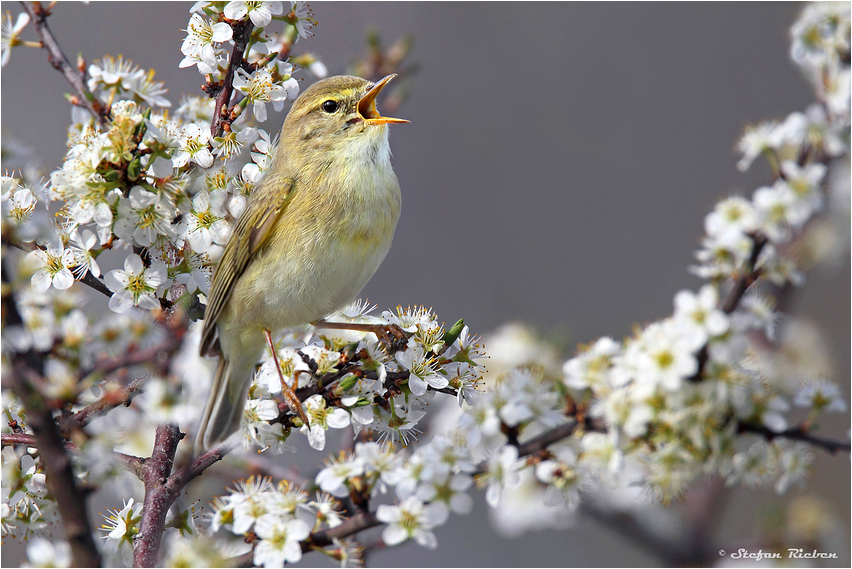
[367,104]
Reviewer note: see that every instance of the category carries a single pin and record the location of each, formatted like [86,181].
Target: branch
[351,526]
[161,490]
[795,434]
[185,475]
[95,283]
[547,438]
[109,401]
[88,279]
[149,355]
[38,14]
[221,115]
[133,463]
[739,289]
[59,473]
[746,280]
[158,498]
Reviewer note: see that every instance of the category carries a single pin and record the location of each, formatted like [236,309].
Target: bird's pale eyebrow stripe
[343,94]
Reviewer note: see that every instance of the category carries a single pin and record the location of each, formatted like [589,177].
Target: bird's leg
[390,335]
[289,392]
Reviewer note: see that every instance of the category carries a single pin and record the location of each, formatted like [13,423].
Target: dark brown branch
[796,434]
[353,525]
[22,439]
[88,279]
[38,14]
[221,112]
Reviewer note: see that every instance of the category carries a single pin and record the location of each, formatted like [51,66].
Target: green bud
[111,176]
[362,402]
[347,383]
[134,169]
[453,333]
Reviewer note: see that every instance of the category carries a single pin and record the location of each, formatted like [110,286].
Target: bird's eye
[330,106]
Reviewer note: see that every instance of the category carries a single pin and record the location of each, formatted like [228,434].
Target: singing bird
[312,234]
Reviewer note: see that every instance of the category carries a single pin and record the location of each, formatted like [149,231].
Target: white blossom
[135,285]
[410,519]
[259,12]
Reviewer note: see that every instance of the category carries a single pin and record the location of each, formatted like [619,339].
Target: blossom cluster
[692,394]
[363,372]
[700,392]
[428,484]
[26,506]
[155,183]
[152,192]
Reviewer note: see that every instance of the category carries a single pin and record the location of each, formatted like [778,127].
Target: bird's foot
[392,338]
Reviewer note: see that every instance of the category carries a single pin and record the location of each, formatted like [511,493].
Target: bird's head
[337,113]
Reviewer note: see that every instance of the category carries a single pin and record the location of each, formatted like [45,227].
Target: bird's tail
[225,404]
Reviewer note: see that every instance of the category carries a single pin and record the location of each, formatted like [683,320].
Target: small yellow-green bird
[311,235]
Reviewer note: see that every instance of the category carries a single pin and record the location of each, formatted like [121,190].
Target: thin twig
[547,438]
[353,525]
[182,477]
[88,279]
[38,14]
[796,434]
[110,400]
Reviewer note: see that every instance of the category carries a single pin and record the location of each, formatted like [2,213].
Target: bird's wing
[249,234]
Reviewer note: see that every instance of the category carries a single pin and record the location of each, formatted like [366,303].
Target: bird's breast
[326,245]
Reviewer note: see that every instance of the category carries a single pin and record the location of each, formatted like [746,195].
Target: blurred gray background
[558,166]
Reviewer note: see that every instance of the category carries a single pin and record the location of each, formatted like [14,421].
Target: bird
[313,232]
